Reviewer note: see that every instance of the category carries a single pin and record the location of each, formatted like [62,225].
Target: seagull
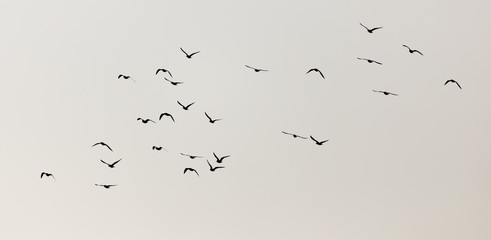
[370,30]
[317,142]
[185,107]
[125,77]
[47,175]
[103,144]
[256,69]
[412,50]
[212,120]
[112,164]
[316,70]
[172,82]
[166,114]
[190,169]
[219,160]
[385,93]
[105,185]
[145,120]
[370,60]
[191,156]
[163,70]
[453,81]
[158,148]
[189,55]
[213,168]
[294,135]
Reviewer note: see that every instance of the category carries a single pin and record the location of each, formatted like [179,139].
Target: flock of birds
[211,120]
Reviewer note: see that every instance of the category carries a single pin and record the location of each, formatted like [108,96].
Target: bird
[385,93]
[294,135]
[369,60]
[191,156]
[185,107]
[103,144]
[163,70]
[316,70]
[190,169]
[412,50]
[166,114]
[125,77]
[317,142]
[257,69]
[105,185]
[145,120]
[158,148]
[219,160]
[213,168]
[453,81]
[212,120]
[47,175]
[189,55]
[112,164]
[172,82]
[370,30]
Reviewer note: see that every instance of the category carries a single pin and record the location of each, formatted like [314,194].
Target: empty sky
[413,166]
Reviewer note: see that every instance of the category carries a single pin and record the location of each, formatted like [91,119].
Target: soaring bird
[189,55]
[185,107]
[257,69]
[172,82]
[125,77]
[102,144]
[212,120]
[191,156]
[47,175]
[412,50]
[385,93]
[112,164]
[105,185]
[369,60]
[213,168]
[158,148]
[163,70]
[294,135]
[317,142]
[370,30]
[190,169]
[219,160]
[453,81]
[145,120]
[166,114]
[316,70]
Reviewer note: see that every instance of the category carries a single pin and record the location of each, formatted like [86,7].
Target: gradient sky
[413,166]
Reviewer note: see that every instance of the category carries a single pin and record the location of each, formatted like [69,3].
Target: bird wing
[151,120]
[215,156]
[313,139]
[301,137]
[172,118]
[418,52]
[324,141]
[209,164]
[184,51]
[95,144]
[114,163]
[208,116]
[313,69]
[158,70]
[193,53]
[406,47]
[377,62]
[170,74]
[180,104]
[322,75]
[250,67]
[392,93]
[107,146]
[189,105]
[286,133]
[373,29]
[42,174]
[458,84]
[104,162]
[185,155]
[364,26]
[225,157]
[161,115]
[376,91]
[120,75]
[362,59]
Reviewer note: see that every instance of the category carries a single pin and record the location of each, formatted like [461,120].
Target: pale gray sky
[413,166]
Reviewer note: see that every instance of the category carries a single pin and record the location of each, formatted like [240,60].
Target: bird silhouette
[294,135]
[166,114]
[187,106]
[316,70]
[317,142]
[219,160]
[385,93]
[145,120]
[191,156]
[164,71]
[213,168]
[212,120]
[189,55]
[412,50]
[105,185]
[102,144]
[172,82]
[370,60]
[112,164]
[257,69]
[370,30]
[190,169]
[125,77]
[158,148]
[452,81]
[47,175]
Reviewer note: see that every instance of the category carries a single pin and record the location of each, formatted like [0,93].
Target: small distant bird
[189,55]
[185,107]
[47,175]
[166,114]
[212,120]
[172,82]
[145,120]
[125,77]
[105,185]
[385,93]
[316,70]
[412,50]
[190,169]
[370,30]
[317,142]
[112,164]
[213,168]
[453,81]
[163,70]
[294,135]
[370,60]
[219,160]
[257,69]
[158,148]
[191,156]
[103,144]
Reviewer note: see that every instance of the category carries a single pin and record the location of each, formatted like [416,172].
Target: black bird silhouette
[257,69]
[47,175]
[294,135]
[125,77]
[185,107]
[370,60]
[189,55]
[317,142]
[172,82]
[112,164]
[191,156]
[163,70]
[412,50]
[213,168]
[166,114]
[370,30]
[190,169]
[145,120]
[316,70]
[385,93]
[103,144]
[453,81]
[212,120]
[219,160]
[158,148]
[105,185]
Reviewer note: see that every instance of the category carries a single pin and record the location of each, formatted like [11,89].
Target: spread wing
[322,75]
[114,163]
[193,53]
[418,52]
[313,139]
[208,116]
[184,51]
[104,162]
[364,26]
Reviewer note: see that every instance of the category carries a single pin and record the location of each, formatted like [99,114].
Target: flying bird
[212,120]
[145,120]
[105,185]
[125,77]
[317,142]
[191,156]
[158,148]
[164,71]
[369,60]
[453,81]
[213,168]
[385,93]
[219,160]
[316,70]
[47,175]
[190,169]
[294,135]
[112,164]
[102,144]
[166,114]
[189,55]
[412,50]
[370,30]
[257,69]
[185,107]
[172,82]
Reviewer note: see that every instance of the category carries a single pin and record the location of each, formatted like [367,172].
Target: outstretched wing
[104,162]
[322,75]
[418,52]
[313,139]
[114,163]
[373,29]
[457,84]
[208,116]
[184,51]
[193,53]
[364,26]
[189,105]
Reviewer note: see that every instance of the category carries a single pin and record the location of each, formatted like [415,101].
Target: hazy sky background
[415,166]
